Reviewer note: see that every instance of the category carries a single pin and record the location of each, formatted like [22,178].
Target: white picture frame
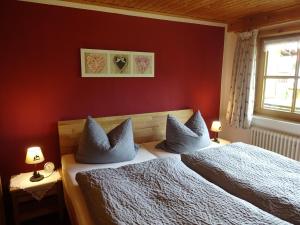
[112,63]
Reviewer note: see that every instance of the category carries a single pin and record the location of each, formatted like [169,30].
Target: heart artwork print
[95,63]
[115,63]
[142,63]
[121,62]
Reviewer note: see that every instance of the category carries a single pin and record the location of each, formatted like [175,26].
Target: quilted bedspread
[264,178]
[163,191]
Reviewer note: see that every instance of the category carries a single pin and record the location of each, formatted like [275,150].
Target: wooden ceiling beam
[265,19]
[283,29]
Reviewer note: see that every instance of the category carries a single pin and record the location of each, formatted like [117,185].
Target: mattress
[160,153]
[69,169]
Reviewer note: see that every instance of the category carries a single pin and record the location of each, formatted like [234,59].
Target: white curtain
[242,90]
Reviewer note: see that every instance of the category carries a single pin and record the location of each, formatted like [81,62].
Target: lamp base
[216,140]
[36,177]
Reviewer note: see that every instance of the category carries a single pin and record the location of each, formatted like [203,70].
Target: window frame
[260,83]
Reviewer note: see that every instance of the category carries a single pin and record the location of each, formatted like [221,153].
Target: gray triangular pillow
[97,147]
[184,138]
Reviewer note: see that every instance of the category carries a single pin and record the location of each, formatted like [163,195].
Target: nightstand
[34,199]
[2,214]
[222,141]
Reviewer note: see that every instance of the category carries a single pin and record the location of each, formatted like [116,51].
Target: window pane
[278,94]
[282,59]
[297,109]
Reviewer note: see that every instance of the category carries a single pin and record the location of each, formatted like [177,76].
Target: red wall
[40,72]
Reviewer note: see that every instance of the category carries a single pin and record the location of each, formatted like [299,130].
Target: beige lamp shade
[216,126]
[34,155]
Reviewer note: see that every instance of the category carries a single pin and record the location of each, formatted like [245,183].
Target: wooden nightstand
[222,141]
[27,207]
[2,214]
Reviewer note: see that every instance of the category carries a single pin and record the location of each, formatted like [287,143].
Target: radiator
[283,144]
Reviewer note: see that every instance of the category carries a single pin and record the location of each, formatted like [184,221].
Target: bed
[149,127]
[266,179]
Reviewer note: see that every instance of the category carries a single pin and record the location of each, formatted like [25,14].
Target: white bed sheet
[160,153]
[69,169]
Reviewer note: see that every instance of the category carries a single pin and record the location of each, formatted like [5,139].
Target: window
[278,89]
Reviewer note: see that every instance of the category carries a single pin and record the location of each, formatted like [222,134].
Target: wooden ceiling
[240,15]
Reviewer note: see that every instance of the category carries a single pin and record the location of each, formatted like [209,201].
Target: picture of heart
[142,63]
[95,63]
[121,62]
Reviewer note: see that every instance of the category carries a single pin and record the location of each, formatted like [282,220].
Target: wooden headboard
[146,127]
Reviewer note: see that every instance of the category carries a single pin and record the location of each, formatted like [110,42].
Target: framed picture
[120,63]
[143,63]
[109,63]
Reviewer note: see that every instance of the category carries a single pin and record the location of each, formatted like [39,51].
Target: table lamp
[34,156]
[216,127]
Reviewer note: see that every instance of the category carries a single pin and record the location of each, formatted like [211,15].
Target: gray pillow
[97,147]
[184,138]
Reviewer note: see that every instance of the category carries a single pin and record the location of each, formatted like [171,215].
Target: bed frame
[147,127]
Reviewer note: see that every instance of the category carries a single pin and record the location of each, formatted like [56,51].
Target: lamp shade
[216,126]
[34,155]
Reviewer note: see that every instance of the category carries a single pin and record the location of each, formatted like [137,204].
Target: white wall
[234,134]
